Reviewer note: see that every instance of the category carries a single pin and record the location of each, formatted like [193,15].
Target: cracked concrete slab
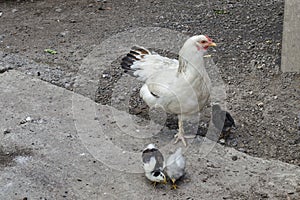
[65,157]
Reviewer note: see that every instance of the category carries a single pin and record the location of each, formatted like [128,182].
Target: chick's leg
[174,186]
[154,184]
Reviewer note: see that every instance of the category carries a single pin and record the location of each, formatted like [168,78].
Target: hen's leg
[180,135]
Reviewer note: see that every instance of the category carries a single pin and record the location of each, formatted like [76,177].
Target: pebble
[121,98]
[6,131]
[105,75]
[14,10]
[64,33]
[58,10]
[242,150]
[222,141]
[260,104]
[28,119]
[234,158]
[261,66]
[0,13]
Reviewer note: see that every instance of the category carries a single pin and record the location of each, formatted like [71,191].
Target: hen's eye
[203,42]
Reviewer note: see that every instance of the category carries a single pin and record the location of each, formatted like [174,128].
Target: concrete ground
[54,149]
[290,62]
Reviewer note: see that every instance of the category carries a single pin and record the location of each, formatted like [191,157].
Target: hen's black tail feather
[136,53]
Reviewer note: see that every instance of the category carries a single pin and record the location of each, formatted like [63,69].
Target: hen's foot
[182,137]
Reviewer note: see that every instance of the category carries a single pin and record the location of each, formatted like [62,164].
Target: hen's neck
[191,64]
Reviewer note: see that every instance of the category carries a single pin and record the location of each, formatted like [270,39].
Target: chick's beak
[212,44]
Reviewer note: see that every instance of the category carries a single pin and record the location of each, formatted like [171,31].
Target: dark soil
[7,156]
[263,100]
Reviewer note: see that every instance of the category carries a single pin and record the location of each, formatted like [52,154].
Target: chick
[153,163]
[175,167]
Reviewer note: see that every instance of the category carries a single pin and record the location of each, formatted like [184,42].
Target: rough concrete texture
[291,37]
[45,140]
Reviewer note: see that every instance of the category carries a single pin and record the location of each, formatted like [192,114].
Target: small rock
[58,10]
[23,121]
[41,121]
[6,131]
[222,141]
[67,85]
[28,119]
[234,158]
[261,66]
[264,195]
[0,13]
[64,33]
[242,150]
[268,41]
[73,21]
[105,75]
[233,143]
[121,98]
[14,10]
[260,104]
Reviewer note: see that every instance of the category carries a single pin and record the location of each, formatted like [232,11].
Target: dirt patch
[8,156]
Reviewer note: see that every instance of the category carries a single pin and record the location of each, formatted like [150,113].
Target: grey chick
[175,167]
[153,163]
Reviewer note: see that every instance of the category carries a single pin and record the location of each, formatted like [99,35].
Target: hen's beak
[212,44]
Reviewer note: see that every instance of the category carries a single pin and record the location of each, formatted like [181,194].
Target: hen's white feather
[151,64]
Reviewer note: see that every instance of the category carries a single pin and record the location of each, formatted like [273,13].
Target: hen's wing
[143,63]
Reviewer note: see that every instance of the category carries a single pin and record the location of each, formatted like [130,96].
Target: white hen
[180,87]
